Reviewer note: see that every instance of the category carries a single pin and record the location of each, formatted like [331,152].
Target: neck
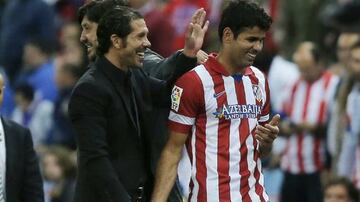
[316,77]
[114,59]
[225,60]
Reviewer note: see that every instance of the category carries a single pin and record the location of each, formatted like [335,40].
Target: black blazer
[23,179]
[112,143]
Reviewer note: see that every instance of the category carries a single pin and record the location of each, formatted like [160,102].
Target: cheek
[355,67]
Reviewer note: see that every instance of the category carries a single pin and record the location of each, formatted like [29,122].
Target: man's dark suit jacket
[112,140]
[23,179]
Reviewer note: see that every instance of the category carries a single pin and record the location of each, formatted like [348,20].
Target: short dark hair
[316,52]
[350,188]
[95,9]
[116,21]
[241,14]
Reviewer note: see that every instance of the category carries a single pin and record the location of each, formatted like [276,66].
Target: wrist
[189,53]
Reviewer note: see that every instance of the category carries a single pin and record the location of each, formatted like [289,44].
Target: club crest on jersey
[175,98]
[228,112]
[257,92]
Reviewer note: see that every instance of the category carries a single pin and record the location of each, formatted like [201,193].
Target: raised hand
[194,36]
[268,133]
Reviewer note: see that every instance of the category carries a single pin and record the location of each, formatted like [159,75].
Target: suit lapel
[135,99]
[10,151]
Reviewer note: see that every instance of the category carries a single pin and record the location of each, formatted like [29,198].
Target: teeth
[252,55]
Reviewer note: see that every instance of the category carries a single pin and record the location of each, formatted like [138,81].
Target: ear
[116,41]
[228,35]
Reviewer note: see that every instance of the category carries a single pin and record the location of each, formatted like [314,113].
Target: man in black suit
[20,179]
[111,111]
[155,65]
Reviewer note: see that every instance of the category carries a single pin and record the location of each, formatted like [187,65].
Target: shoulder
[257,73]
[151,55]
[192,77]
[189,86]
[92,82]
[13,126]
[91,88]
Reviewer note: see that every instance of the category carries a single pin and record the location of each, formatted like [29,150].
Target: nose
[258,45]
[146,43]
[82,37]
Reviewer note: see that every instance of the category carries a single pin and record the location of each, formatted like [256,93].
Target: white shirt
[2,163]
[282,75]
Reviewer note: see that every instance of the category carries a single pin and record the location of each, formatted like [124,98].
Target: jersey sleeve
[265,112]
[186,102]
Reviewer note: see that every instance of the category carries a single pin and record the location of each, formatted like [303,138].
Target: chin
[91,56]
[137,65]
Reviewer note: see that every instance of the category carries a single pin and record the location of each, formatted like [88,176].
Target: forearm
[166,174]
[165,68]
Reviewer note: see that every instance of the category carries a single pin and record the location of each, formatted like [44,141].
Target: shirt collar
[215,65]
[117,75]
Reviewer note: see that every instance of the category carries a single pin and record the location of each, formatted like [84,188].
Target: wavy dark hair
[95,9]
[241,14]
[116,21]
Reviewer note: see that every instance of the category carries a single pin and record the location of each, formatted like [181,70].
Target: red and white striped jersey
[308,102]
[220,111]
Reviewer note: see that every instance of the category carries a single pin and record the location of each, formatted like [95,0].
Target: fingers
[190,30]
[271,131]
[202,17]
[264,139]
[195,19]
[201,56]
[275,120]
[206,26]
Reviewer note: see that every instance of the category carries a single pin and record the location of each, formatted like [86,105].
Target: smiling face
[243,49]
[134,45]
[88,37]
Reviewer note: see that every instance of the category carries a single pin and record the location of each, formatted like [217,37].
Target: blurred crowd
[310,57]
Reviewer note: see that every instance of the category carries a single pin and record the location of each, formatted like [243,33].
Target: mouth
[251,56]
[88,46]
[141,55]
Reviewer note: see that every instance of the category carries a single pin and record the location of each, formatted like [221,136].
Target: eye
[85,27]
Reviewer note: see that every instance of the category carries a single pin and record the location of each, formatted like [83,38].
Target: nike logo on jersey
[216,95]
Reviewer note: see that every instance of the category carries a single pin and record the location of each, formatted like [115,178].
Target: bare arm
[167,166]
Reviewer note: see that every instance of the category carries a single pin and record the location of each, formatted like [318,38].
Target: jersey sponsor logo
[216,95]
[250,111]
[176,97]
[257,92]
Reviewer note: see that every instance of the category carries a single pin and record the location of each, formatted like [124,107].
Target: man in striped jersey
[220,111]
[306,110]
